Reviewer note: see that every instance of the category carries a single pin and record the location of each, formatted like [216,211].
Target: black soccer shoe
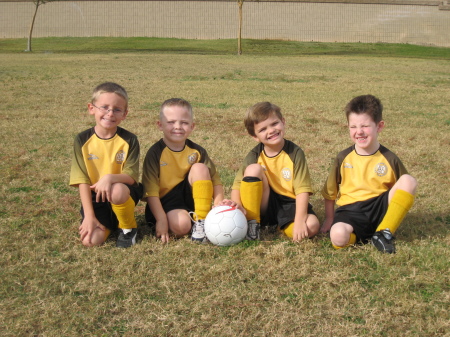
[384,241]
[126,240]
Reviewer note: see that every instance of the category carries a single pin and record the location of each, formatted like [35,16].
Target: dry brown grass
[52,286]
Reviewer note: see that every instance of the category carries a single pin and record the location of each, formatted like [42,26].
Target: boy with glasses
[105,168]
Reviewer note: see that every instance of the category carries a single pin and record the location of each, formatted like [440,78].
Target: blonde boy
[273,183]
[368,182]
[105,168]
[178,176]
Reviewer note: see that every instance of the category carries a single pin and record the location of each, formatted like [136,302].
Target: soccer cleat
[384,241]
[198,229]
[127,238]
[252,230]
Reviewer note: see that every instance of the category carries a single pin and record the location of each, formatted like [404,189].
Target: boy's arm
[162,225]
[103,186]
[301,213]
[329,216]
[90,222]
[218,194]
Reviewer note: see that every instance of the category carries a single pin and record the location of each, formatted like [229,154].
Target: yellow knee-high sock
[400,204]
[202,192]
[289,230]
[125,214]
[251,196]
[351,242]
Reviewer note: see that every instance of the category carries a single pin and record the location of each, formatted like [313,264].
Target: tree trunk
[240,3]
[37,3]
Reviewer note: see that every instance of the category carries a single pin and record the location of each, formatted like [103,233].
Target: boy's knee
[94,242]
[199,171]
[339,235]
[408,183]
[254,170]
[98,237]
[119,193]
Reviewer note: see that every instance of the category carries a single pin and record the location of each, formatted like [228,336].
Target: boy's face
[109,110]
[364,133]
[270,132]
[176,124]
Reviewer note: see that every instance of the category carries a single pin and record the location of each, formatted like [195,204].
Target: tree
[37,3]
[240,4]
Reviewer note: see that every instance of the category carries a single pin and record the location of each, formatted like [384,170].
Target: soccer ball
[225,226]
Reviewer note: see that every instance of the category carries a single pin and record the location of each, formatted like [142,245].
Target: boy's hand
[103,188]
[300,231]
[231,203]
[326,226]
[88,226]
[162,231]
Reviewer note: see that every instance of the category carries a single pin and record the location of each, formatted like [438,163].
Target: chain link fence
[298,21]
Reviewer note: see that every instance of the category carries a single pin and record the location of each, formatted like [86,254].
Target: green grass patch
[52,286]
[219,47]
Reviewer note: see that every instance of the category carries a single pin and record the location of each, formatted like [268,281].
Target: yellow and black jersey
[94,157]
[287,172]
[354,177]
[164,169]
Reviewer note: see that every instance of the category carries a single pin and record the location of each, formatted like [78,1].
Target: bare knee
[97,239]
[199,171]
[340,234]
[179,222]
[254,170]
[313,225]
[407,183]
[119,193]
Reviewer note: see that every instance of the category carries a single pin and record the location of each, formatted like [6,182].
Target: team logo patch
[286,174]
[381,169]
[192,159]
[92,156]
[120,157]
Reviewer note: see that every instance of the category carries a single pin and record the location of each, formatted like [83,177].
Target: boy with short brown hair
[369,183]
[273,184]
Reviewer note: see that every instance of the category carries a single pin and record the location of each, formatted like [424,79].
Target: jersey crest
[120,157]
[286,174]
[381,169]
[192,159]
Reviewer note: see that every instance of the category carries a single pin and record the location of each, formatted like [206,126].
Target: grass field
[52,286]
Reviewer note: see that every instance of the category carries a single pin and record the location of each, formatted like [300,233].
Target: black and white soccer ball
[225,226]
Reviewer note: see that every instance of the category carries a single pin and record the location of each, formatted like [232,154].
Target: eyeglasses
[106,110]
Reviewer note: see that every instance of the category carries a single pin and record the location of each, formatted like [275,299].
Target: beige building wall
[298,21]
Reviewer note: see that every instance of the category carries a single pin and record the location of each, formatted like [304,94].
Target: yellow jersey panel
[287,172]
[164,169]
[94,157]
[356,178]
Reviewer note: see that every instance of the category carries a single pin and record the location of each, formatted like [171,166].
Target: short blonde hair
[176,102]
[259,113]
[109,87]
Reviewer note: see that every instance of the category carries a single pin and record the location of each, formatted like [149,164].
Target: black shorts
[363,216]
[180,197]
[281,211]
[103,210]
